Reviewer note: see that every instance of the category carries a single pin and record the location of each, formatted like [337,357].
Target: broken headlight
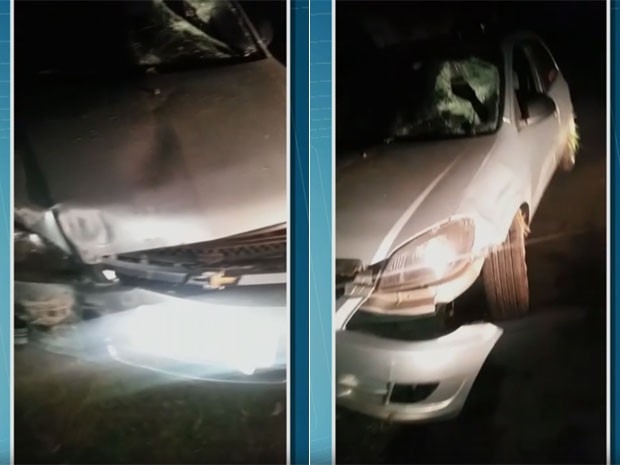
[430,258]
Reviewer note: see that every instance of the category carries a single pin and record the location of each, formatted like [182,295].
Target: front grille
[263,250]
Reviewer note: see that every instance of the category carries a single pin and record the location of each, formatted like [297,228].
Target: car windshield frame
[430,50]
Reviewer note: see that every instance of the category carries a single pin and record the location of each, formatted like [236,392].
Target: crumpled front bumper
[236,335]
[372,371]
[369,368]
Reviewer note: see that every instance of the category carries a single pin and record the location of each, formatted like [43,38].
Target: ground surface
[541,395]
[69,410]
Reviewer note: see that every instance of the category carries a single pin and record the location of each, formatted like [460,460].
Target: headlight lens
[430,258]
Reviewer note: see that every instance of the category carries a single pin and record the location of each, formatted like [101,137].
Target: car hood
[393,192]
[169,159]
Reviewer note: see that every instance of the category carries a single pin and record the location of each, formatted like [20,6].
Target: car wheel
[504,274]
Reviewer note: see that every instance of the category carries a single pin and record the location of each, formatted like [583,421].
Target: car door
[537,138]
[551,81]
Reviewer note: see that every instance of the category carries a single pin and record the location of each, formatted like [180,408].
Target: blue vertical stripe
[615,258]
[321,291]
[5,222]
[299,233]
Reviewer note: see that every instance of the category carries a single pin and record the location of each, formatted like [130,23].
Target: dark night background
[573,30]
[541,395]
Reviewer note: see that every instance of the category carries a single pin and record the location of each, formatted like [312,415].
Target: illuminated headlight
[430,258]
[189,332]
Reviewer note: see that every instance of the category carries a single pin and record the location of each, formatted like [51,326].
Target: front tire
[567,162]
[504,274]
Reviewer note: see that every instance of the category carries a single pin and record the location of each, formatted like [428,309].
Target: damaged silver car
[472,132]
[150,187]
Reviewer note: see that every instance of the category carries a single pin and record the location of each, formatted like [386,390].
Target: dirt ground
[541,395]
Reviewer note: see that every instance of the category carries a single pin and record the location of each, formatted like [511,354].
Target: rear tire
[504,274]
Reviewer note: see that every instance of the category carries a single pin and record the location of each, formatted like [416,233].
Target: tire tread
[505,275]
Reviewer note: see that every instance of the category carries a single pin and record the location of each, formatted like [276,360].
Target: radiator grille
[264,249]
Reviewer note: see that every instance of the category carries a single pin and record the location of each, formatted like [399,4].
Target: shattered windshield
[449,98]
[165,32]
[103,37]
[435,94]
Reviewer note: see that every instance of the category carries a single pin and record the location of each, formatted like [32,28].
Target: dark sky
[574,30]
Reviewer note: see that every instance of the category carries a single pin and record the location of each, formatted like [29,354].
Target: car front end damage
[214,310]
[396,359]
[407,381]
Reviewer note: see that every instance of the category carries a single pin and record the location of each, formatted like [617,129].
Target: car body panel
[125,165]
[186,155]
[384,198]
[405,191]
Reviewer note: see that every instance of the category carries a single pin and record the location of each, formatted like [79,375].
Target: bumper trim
[368,367]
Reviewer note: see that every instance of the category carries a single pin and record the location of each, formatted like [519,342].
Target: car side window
[544,63]
[523,80]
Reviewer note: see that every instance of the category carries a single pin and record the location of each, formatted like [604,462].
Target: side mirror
[539,107]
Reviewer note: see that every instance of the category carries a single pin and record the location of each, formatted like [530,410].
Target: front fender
[493,204]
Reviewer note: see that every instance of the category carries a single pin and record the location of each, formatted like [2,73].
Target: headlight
[33,253]
[219,338]
[430,258]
